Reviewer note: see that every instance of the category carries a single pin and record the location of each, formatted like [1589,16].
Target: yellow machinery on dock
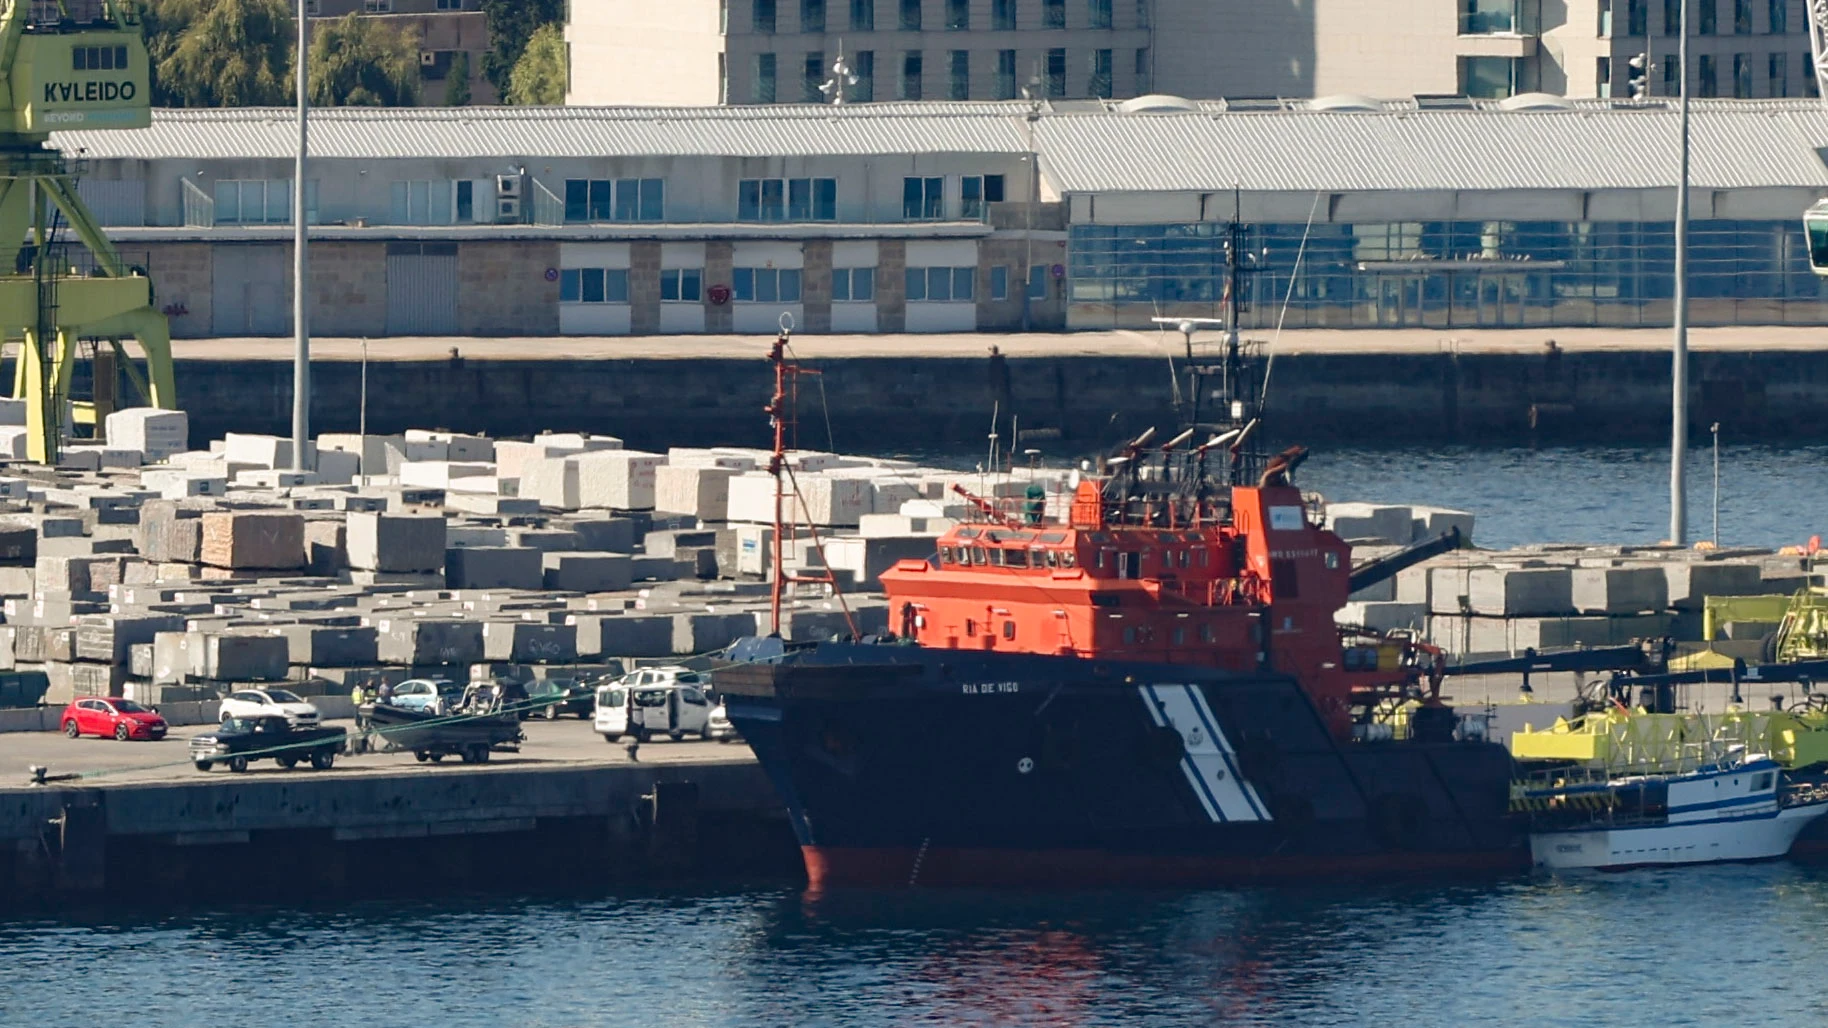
[69,64]
[1619,738]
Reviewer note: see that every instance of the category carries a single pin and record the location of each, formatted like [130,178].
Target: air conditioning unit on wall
[427,58]
[507,186]
[507,208]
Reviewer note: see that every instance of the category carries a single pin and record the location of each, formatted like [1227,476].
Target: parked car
[718,726]
[266,737]
[552,697]
[112,715]
[436,695]
[652,701]
[250,703]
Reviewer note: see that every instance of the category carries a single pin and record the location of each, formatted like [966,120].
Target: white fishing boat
[1740,809]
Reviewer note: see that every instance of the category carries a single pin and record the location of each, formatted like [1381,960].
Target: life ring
[718,295]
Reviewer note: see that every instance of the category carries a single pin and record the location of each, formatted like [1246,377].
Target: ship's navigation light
[1815,226]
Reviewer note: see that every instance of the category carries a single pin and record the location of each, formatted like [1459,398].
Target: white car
[269,703]
[653,701]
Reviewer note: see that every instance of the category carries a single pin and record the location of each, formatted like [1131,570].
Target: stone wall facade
[504,289]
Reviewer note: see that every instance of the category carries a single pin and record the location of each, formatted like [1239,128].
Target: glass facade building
[1448,274]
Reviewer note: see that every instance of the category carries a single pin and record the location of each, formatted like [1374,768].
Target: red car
[112,715]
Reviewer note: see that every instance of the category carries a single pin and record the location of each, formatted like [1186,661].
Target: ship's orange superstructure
[1248,586]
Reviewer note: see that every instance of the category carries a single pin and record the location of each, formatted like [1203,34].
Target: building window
[1495,17]
[421,202]
[1810,86]
[1142,13]
[1602,76]
[450,5]
[999,282]
[1003,15]
[1100,13]
[466,200]
[1053,14]
[910,15]
[1672,74]
[863,15]
[958,15]
[765,285]
[940,285]
[1605,18]
[812,77]
[313,8]
[1742,76]
[1006,75]
[1099,84]
[1777,82]
[812,15]
[910,75]
[959,76]
[796,199]
[763,92]
[853,285]
[1710,79]
[681,285]
[923,199]
[261,201]
[1037,282]
[623,199]
[1637,17]
[865,70]
[1488,77]
[1742,17]
[593,285]
[763,15]
[975,191]
[1709,21]
[1672,17]
[377,6]
[1779,16]
[1056,72]
[1142,70]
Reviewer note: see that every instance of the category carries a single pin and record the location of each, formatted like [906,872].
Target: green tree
[512,24]
[539,77]
[221,53]
[457,81]
[361,62]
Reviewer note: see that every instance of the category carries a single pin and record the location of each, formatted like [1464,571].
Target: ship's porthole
[1025,765]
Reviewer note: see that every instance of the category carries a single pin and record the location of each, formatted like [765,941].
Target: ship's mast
[777,466]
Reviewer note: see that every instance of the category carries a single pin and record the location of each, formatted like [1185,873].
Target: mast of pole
[1678,428]
[777,461]
[301,343]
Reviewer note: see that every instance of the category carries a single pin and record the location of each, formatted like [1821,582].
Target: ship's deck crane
[68,64]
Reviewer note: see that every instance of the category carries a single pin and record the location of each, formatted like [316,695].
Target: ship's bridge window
[1040,558]
[1009,629]
[978,556]
[970,627]
[996,556]
[1053,537]
[967,533]
[1186,558]
[1167,537]
[1206,634]
[1200,555]
[1180,635]
[1068,559]
[1762,782]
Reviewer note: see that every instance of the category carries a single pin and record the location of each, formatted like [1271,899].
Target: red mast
[780,405]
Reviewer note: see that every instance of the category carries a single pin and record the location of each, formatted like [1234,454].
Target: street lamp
[1032,94]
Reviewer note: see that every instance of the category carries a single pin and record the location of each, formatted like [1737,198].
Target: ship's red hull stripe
[903,868]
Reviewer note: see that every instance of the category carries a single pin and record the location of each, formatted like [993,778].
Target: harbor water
[1698,946]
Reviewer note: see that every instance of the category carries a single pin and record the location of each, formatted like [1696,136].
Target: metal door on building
[421,289]
[249,291]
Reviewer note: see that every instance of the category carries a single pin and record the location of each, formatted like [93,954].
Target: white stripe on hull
[1209,763]
[1742,838]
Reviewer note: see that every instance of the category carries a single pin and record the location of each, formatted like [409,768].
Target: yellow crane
[69,64]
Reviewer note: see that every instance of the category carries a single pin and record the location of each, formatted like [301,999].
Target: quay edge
[304,836]
[934,402]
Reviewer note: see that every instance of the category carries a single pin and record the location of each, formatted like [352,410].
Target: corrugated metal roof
[1302,151]
[1595,145]
[378,133]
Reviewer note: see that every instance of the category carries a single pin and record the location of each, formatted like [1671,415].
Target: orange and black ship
[1147,689]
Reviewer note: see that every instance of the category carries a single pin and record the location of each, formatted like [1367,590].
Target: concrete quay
[142,826]
[1370,386]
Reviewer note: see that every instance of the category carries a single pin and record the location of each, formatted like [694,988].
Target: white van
[652,701]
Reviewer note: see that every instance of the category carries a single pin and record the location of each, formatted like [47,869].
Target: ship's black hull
[907,766]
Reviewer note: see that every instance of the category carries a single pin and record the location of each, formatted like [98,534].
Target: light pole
[301,340]
[1031,93]
[1678,425]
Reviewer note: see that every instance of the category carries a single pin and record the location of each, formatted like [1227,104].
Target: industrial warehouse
[931,217]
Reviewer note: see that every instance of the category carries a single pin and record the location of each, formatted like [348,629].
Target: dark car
[552,697]
[113,716]
[241,740]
